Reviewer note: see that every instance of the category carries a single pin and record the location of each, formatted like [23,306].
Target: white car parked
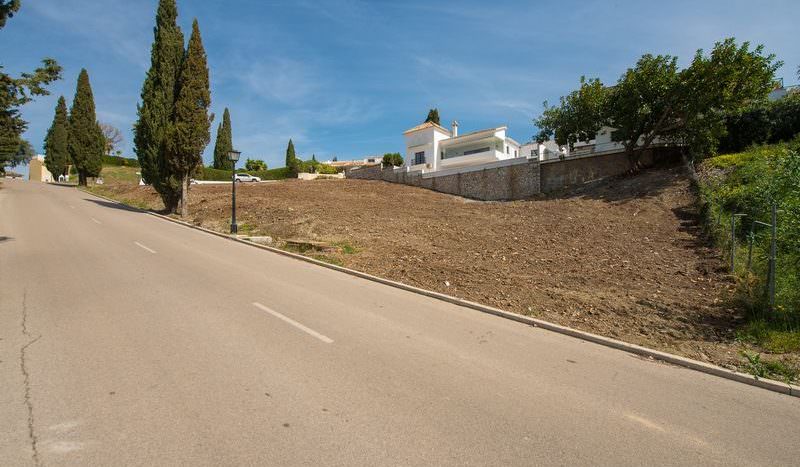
[243,177]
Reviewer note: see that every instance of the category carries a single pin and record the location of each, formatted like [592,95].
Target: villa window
[475,151]
[419,158]
[508,150]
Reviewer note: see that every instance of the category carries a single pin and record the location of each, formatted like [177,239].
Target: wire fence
[755,259]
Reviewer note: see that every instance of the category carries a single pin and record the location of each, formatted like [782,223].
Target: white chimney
[455,128]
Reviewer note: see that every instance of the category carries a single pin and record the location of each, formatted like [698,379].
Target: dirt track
[623,259]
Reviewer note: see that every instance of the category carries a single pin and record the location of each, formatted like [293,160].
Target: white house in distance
[431,147]
[37,171]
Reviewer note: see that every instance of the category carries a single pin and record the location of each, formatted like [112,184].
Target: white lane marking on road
[144,247]
[71,206]
[96,221]
[294,323]
[645,422]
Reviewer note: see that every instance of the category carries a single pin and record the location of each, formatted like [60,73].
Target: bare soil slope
[623,259]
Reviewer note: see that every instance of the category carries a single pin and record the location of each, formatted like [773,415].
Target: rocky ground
[625,258]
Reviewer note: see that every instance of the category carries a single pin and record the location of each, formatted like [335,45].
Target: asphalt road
[128,340]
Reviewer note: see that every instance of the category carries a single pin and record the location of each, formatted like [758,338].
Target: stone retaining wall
[515,178]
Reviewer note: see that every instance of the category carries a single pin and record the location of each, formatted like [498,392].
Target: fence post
[773,253]
[750,239]
[733,240]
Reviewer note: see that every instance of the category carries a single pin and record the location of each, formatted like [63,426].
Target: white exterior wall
[429,141]
[426,140]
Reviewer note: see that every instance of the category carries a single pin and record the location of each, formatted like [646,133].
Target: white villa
[431,147]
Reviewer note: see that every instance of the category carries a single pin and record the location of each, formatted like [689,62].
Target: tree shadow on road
[108,204]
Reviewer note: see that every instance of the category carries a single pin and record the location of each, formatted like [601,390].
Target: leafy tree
[224,143]
[56,143]
[16,92]
[393,159]
[189,134]
[85,142]
[112,136]
[158,104]
[292,163]
[24,154]
[656,101]
[579,116]
[433,116]
[7,10]
[255,165]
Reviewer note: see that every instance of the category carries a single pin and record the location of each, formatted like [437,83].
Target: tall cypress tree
[56,147]
[158,104]
[85,141]
[189,133]
[433,116]
[224,143]
[291,158]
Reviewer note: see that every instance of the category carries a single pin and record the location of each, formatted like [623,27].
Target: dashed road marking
[294,323]
[144,247]
[96,221]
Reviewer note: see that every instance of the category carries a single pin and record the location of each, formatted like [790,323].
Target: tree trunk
[82,178]
[633,158]
[185,195]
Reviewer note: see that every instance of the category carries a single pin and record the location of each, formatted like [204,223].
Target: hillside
[625,259]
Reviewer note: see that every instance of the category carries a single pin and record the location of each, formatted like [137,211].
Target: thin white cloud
[281,79]
[110,25]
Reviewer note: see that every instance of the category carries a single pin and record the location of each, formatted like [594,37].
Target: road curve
[128,340]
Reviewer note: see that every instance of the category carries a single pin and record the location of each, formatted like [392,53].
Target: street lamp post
[233,156]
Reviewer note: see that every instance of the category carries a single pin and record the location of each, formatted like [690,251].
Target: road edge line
[685,362]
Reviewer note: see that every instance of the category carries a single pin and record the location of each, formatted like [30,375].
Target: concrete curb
[775,386]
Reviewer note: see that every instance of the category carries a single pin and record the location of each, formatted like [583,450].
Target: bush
[118,161]
[393,159]
[212,174]
[325,169]
[764,122]
[255,165]
[750,183]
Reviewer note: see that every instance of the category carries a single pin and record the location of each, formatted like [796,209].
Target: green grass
[762,334]
[329,259]
[769,369]
[346,248]
[753,180]
[246,229]
[120,174]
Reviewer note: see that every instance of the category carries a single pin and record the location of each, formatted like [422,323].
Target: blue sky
[347,77]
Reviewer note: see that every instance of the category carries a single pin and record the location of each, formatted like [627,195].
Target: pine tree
[291,158]
[313,158]
[85,141]
[224,143]
[189,134]
[56,147]
[433,116]
[158,104]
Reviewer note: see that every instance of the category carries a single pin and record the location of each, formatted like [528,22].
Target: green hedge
[763,122]
[211,174]
[118,161]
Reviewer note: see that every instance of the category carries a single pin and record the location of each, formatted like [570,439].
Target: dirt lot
[623,259]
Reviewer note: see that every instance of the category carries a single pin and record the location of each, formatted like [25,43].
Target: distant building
[369,160]
[37,172]
[780,91]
